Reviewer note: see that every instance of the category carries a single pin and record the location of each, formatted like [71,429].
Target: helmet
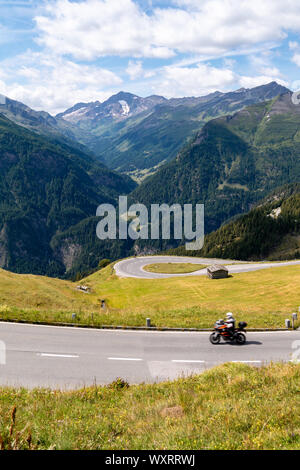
[229,315]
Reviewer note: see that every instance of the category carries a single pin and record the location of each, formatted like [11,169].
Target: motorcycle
[221,332]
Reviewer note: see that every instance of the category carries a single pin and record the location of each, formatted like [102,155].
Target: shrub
[103,263]
[119,384]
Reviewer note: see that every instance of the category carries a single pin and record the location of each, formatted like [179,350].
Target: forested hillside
[233,162]
[269,231]
[45,189]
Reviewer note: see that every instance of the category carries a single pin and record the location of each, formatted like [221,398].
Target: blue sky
[55,53]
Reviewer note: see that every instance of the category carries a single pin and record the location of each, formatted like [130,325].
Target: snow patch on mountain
[76,114]
[125,107]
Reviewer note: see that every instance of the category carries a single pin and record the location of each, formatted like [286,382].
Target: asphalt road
[65,358]
[133,267]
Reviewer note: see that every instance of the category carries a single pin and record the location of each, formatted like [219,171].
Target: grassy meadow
[227,407]
[263,299]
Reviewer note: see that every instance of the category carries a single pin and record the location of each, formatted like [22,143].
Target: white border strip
[57,355]
[124,359]
[188,361]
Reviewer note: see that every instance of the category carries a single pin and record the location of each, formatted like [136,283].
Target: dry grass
[174,268]
[263,298]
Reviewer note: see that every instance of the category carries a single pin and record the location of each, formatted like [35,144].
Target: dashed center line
[124,359]
[57,355]
[178,361]
[188,361]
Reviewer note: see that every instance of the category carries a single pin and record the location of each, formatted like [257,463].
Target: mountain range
[135,135]
[40,122]
[54,170]
[117,108]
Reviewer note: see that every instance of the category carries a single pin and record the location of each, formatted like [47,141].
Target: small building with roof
[217,271]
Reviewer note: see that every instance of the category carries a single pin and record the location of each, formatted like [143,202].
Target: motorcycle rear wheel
[240,338]
[215,338]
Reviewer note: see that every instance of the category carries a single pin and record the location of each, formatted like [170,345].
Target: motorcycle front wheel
[214,338]
[240,338]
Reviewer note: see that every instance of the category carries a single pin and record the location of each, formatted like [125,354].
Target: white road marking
[187,360]
[57,355]
[124,359]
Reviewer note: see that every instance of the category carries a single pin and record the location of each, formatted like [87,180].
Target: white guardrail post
[294,319]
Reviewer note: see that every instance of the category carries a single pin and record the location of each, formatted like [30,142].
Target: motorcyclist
[230,322]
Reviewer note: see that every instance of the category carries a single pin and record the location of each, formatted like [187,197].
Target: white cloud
[95,28]
[52,83]
[176,81]
[135,69]
[193,81]
[263,65]
[251,82]
[295,47]
[193,32]
[229,63]
[296,59]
